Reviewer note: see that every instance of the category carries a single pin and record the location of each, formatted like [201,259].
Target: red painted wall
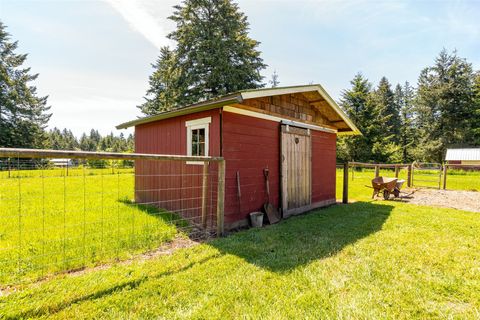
[173,185]
[323,165]
[249,146]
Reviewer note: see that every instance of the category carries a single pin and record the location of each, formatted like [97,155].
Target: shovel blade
[272,213]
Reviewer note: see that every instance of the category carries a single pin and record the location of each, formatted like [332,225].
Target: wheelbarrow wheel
[396,193]
[386,194]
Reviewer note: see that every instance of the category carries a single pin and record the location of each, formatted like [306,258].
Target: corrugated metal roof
[463,154]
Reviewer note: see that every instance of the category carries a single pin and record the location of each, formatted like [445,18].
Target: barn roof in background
[463,154]
[238,97]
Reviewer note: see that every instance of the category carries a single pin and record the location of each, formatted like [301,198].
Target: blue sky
[94,56]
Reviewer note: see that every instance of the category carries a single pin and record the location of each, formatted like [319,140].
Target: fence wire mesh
[60,215]
[461,177]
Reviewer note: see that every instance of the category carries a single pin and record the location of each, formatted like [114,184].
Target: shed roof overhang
[345,125]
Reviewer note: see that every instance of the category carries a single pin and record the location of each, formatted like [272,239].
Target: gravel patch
[462,200]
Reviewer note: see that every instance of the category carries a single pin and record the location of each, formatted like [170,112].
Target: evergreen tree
[475,120]
[356,103]
[214,55]
[404,97]
[274,80]
[23,115]
[162,94]
[385,142]
[445,106]
[87,144]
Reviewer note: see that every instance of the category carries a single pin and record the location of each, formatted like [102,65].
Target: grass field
[59,223]
[366,260]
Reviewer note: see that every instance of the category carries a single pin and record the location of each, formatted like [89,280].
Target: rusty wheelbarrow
[388,186]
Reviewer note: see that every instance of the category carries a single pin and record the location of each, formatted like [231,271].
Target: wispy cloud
[149,22]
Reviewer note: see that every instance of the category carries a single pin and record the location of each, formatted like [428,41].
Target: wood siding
[296,169]
[323,166]
[175,185]
[294,106]
[249,146]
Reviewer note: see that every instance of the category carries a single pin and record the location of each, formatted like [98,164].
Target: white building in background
[470,156]
[62,163]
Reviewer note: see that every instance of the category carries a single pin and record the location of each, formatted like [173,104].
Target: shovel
[272,212]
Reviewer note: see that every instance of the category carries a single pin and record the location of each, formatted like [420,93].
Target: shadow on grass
[126,285]
[280,248]
[166,216]
[299,240]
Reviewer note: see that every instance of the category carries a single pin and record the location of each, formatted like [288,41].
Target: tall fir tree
[475,120]
[23,114]
[356,103]
[445,104]
[274,82]
[385,146]
[404,98]
[214,55]
[162,94]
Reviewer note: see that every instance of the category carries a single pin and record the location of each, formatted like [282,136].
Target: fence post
[377,171]
[204,194]
[445,166]
[345,183]
[397,169]
[409,176]
[220,197]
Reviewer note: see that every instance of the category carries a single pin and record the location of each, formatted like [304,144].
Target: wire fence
[461,177]
[357,177]
[61,211]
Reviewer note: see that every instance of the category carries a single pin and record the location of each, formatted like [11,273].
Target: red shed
[291,131]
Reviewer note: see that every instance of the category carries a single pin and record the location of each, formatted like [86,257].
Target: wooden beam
[70,154]
[281,116]
[221,198]
[409,176]
[445,169]
[204,194]
[381,165]
[345,183]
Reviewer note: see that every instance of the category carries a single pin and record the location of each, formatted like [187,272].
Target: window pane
[201,135]
[201,149]
[194,149]
[194,135]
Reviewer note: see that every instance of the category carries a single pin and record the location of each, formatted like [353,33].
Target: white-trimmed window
[198,136]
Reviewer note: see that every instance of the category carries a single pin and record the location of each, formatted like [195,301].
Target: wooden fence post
[204,194]
[445,166]
[397,169]
[345,183]
[220,197]
[377,171]
[409,176]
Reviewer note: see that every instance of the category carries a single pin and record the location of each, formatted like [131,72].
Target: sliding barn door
[296,160]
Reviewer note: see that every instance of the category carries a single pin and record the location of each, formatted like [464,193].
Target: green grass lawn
[359,261]
[365,260]
[60,223]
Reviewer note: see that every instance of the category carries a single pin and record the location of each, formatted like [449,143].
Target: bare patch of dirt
[456,199]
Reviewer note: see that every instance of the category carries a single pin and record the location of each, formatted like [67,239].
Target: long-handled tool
[272,212]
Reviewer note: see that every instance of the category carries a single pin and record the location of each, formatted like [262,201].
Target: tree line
[214,55]
[406,123]
[65,140]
